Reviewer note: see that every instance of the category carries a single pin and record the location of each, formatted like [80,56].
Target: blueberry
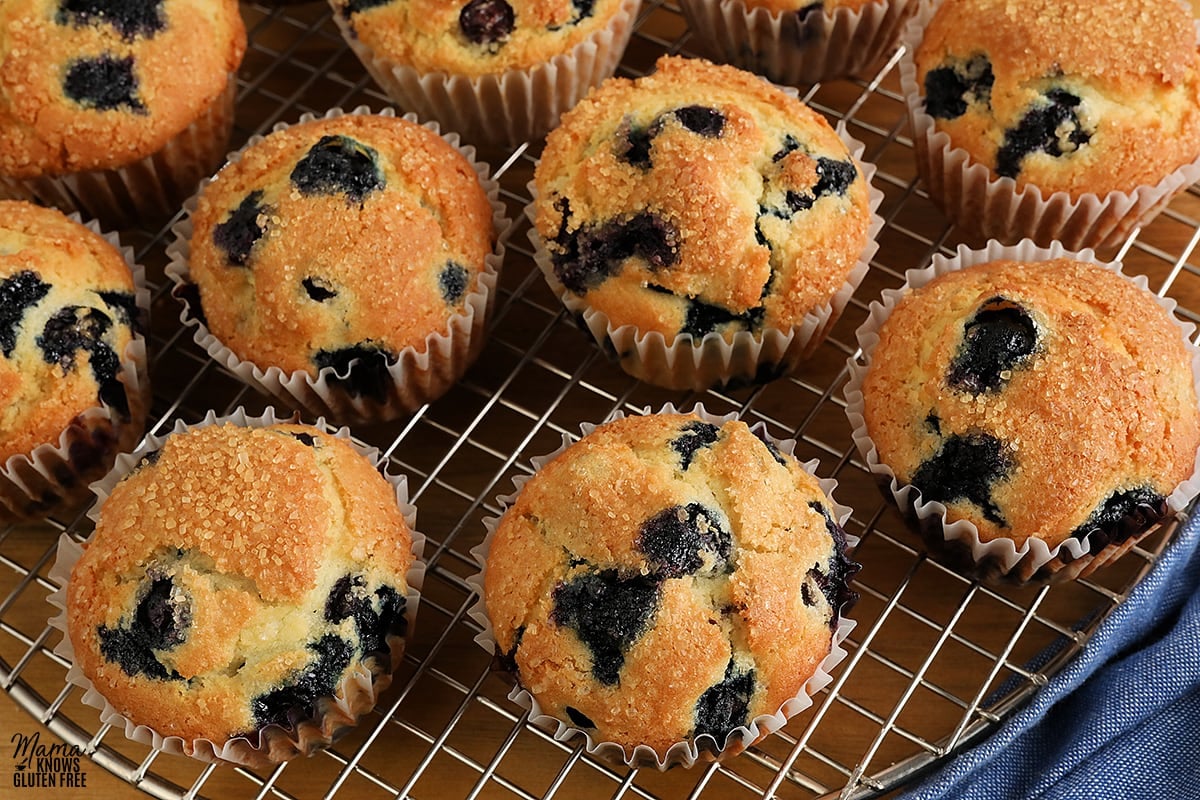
[965,468]
[18,293]
[608,612]
[1053,128]
[362,369]
[131,18]
[1000,337]
[708,122]
[318,290]
[354,6]
[338,165]
[126,649]
[593,253]
[834,177]
[692,437]
[1122,515]
[583,9]
[104,83]
[75,328]
[241,229]
[950,90]
[834,584]
[163,616]
[452,281]
[306,439]
[703,318]
[676,539]
[796,201]
[375,615]
[298,697]
[124,307]
[633,143]
[486,21]
[726,705]
[579,718]
[789,145]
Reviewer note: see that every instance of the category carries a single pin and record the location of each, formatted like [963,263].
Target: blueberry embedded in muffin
[630,583]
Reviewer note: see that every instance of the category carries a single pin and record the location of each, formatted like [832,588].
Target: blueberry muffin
[496,71]
[115,109]
[72,358]
[667,580]
[1050,401]
[703,205]
[1085,97]
[354,250]
[797,41]
[266,574]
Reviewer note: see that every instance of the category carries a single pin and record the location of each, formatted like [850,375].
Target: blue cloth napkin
[1121,721]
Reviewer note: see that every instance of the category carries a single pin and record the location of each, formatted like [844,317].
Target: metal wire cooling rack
[935,663]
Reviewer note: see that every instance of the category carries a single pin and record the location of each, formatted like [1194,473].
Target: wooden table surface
[908,639]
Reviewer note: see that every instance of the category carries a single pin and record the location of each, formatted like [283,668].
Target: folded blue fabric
[1121,721]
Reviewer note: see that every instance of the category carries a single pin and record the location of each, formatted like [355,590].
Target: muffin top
[1045,399]
[67,314]
[477,37]
[699,199]
[666,577]
[339,239]
[235,576]
[1080,96]
[88,85]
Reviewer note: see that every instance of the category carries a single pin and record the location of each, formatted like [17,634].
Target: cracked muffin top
[339,240]
[665,578]
[68,312]
[86,84]
[477,37]
[236,576]
[1046,399]
[1086,96]
[699,199]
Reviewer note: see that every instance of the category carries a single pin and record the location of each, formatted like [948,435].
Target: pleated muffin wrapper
[704,748]
[747,358]
[418,376]
[54,476]
[807,45]
[1000,561]
[146,191]
[275,743]
[988,206]
[504,108]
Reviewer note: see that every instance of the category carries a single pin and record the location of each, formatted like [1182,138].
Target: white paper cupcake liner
[703,748]
[998,560]
[748,358]
[417,377]
[148,190]
[505,108]
[793,47]
[354,697]
[54,476]
[992,207]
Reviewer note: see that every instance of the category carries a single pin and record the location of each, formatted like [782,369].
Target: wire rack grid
[935,663]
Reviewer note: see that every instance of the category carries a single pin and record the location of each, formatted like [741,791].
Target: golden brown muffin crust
[1105,404]
[39,397]
[330,270]
[586,519]
[178,70]
[744,218]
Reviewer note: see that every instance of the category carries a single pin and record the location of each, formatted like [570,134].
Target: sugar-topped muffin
[88,89]
[1038,400]
[72,360]
[666,580]
[238,578]
[700,202]
[495,71]
[346,249]
[1083,97]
